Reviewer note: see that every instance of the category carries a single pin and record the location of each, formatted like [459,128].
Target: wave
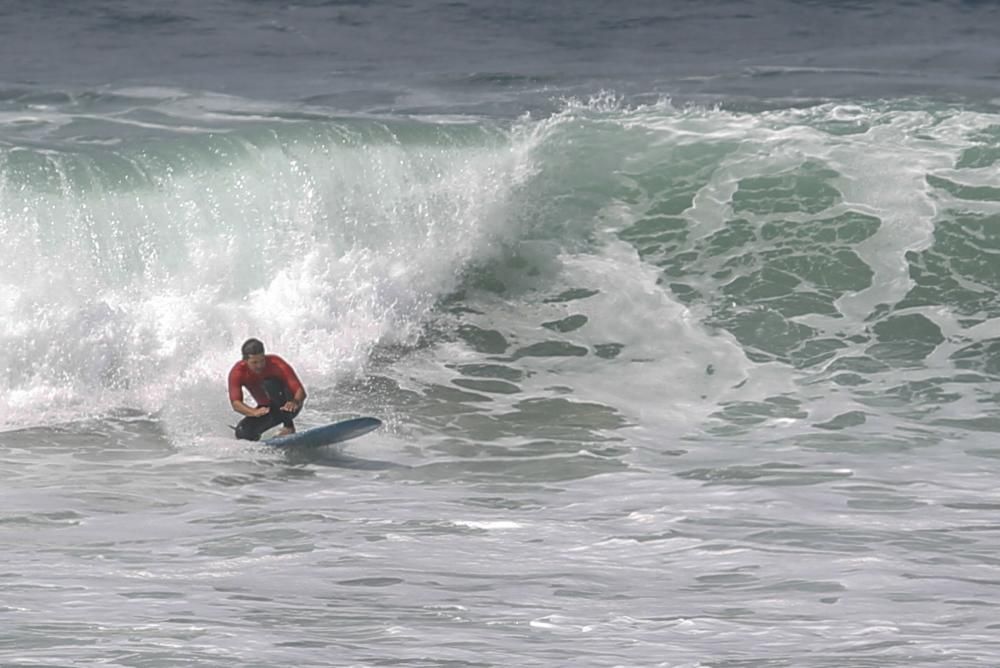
[848,245]
[128,265]
[845,251]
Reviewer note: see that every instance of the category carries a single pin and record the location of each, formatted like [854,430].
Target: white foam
[489,525]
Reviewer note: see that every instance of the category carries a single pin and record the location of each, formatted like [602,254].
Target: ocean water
[682,319]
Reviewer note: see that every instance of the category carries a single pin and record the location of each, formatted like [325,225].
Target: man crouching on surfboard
[273,385]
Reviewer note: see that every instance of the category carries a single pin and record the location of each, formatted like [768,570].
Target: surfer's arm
[292,382]
[296,401]
[243,409]
[236,395]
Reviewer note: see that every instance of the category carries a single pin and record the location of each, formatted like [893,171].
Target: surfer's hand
[260,410]
[290,406]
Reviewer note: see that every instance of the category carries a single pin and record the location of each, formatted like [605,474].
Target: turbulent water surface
[682,321]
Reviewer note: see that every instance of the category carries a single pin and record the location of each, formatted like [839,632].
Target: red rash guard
[274,367]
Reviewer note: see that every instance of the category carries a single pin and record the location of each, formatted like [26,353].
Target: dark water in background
[489,57]
[682,318]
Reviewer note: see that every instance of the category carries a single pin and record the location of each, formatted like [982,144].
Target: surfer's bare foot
[285,431]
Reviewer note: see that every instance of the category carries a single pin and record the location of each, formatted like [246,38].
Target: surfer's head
[253,354]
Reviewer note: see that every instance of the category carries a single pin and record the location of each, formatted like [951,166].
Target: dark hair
[252,347]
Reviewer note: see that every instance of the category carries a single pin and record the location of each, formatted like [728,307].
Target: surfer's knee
[246,434]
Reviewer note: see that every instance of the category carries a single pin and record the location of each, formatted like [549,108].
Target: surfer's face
[256,363]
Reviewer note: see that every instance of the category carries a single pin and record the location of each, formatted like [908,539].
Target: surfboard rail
[329,434]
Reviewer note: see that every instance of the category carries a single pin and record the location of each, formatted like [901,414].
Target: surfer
[274,387]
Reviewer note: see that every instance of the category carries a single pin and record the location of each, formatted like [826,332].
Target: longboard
[327,434]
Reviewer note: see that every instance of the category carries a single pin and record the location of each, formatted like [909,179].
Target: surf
[132,269]
[785,240]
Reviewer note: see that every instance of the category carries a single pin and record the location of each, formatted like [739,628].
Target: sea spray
[130,269]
